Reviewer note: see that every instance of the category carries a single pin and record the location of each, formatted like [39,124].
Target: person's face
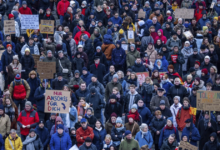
[217,81]
[174,36]
[196,66]
[8,102]
[15,61]
[76,75]
[107,141]
[152,29]
[176,101]
[159,64]
[89,112]
[9,49]
[114,91]
[206,116]
[112,69]
[132,89]
[48,12]
[88,144]
[24,5]
[158,42]
[131,120]
[140,103]
[208,88]
[188,124]
[31,42]
[49,54]
[189,80]
[138,61]
[186,103]
[206,60]
[84,124]
[169,123]
[160,93]
[82,29]
[53,117]
[170,139]
[79,118]
[212,138]
[118,124]
[162,107]
[41,125]
[167,25]
[185,139]
[155,88]
[150,46]
[132,76]
[113,119]
[94,79]
[159,33]
[196,82]
[44,84]
[132,48]
[129,136]
[80,49]
[60,78]
[27,107]
[83,87]
[156,74]
[65,88]
[60,131]
[97,61]
[194,92]
[176,49]
[13,135]
[154,20]
[176,82]
[22,39]
[116,15]
[98,50]
[32,134]
[112,100]
[212,70]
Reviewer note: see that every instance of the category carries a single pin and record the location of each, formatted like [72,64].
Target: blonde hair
[122,74]
[189,76]
[108,136]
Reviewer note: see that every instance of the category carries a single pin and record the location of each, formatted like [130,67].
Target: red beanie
[131,116]
[197,62]
[114,115]
[9,45]
[10,16]
[76,87]
[205,71]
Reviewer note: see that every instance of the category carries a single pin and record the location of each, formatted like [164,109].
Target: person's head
[206,115]
[217,80]
[169,121]
[171,68]
[144,127]
[204,71]
[132,47]
[185,101]
[49,53]
[120,74]
[208,86]
[60,128]
[134,108]
[24,4]
[213,136]
[184,138]
[115,90]
[60,76]
[118,122]
[112,69]
[27,51]
[188,122]
[131,118]
[44,82]
[112,98]
[53,116]
[15,59]
[138,60]
[175,49]
[83,86]
[80,118]
[83,122]
[41,124]
[213,70]
[177,81]
[76,74]
[160,92]
[189,78]
[32,133]
[132,88]
[31,41]
[162,105]
[158,114]
[128,134]
[94,78]
[207,59]
[171,138]
[72,130]
[133,75]
[108,139]
[13,133]
[197,81]
[140,103]
[28,106]
[113,117]
[115,78]
[154,20]
[9,48]
[88,141]
[116,15]
[97,60]
[98,124]
[176,99]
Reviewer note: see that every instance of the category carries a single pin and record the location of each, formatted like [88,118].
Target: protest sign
[36,59]
[184,13]
[29,21]
[208,100]
[1,52]
[46,70]
[57,101]
[212,5]
[131,36]
[124,46]
[141,76]
[188,34]
[187,146]
[9,27]
[47,26]
[141,13]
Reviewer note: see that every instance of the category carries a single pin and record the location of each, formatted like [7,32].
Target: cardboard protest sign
[141,76]
[36,59]
[47,26]
[29,21]
[46,70]
[187,146]
[131,36]
[184,13]
[208,100]
[141,13]
[1,52]
[188,34]
[124,46]
[57,101]
[9,27]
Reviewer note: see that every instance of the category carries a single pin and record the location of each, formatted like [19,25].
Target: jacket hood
[66,17]
[109,32]
[214,135]
[146,32]
[118,42]
[149,22]
[161,32]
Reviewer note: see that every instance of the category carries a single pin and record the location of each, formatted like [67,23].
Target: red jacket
[19,92]
[83,133]
[28,118]
[78,34]
[62,7]
[198,14]
[26,10]
[162,37]
[182,117]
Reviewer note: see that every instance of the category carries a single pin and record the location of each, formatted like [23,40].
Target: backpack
[22,81]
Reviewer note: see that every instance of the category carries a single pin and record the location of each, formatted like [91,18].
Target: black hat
[188,120]
[32,130]
[206,113]
[155,9]
[160,89]
[92,90]
[129,70]
[100,21]
[113,96]
[191,69]
[96,57]
[174,33]
[202,47]
[59,74]
[162,102]
[200,4]
[41,121]
[94,76]
[195,50]
[204,12]
[88,139]
[73,128]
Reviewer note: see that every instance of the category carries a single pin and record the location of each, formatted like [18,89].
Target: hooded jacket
[162,37]
[62,7]
[118,55]
[187,52]
[58,141]
[212,145]
[131,57]
[192,134]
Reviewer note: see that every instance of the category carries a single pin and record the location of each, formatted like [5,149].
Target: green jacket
[110,86]
[131,57]
[125,145]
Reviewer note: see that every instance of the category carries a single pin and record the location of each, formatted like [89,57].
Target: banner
[57,101]
[187,146]
[9,27]
[29,21]
[36,59]
[208,100]
[46,70]
[184,13]
[141,76]
[47,26]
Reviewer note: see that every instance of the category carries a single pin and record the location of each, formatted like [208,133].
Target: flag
[192,111]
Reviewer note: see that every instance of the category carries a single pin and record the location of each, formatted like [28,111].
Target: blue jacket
[217,9]
[116,20]
[162,69]
[4,60]
[40,98]
[79,93]
[34,84]
[167,85]
[60,143]
[107,39]
[164,62]
[99,137]
[148,24]
[157,26]
[74,99]
[73,112]
[1,36]
[195,136]
[2,143]
[165,133]
[12,43]
[87,78]
[148,11]
[202,22]
[147,140]
[145,114]
[118,55]
[44,135]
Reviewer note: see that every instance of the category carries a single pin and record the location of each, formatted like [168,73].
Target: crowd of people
[101,67]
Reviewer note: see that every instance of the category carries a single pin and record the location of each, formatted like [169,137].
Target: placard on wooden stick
[36,59]
[188,34]
[1,52]
[57,101]
[131,36]
[208,100]
[46,70]
[47,26]
[141,76]
[141,14]
[184,13]
[9,27]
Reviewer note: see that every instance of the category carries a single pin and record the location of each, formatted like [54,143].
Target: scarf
[71,16]
[206,121]
[119,128]
[80,109]
[29,142]
[100,129]
[169,128]
[48,15]
[96,65]
[136,118]
[10,111]
[143,133]
[88,116]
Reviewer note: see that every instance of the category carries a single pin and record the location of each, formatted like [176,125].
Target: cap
[15,57]
[192,69]
[188,120]
[187,42]
[9,45]
[10,16]
[119,120]
[83,120]
[98,47]
[60,126]
[32,130]
[134,106]
[24,3]
[41,122]
[92,90]
[59,74]
[88,139]
[195,50]
[113,96]
[160,89]
[207,57]
[114,115]
[162,102]
[28,103]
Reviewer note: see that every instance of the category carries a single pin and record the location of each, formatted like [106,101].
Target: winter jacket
[202,22]
[5,125]
[182,115]
[174,110]
[63,63]
[35,49]
[177,91]
[171,43]
[75,81]
[138,67]
[9,6]
[25,11]
[133,127]
[91,147]
[187,52]
[107,49]
[145,139]
[6,59]
[201,85]
[20,91]
[34,84]
[129,145]
[27,62]
[72,119]
[62,7]
[116,108]
[165,112]
[37,144]
[27,118]
[88,132]
[191,60]
[79,93]
[116,20]
[87,78]
[58,85]
[152,53]
[53,130]
[131,57]
[192,133]
[60,143]
[118,55]
[166,145]
[212,145]
[145,114]
[102,57]
[99,137]
[44,135]
[166,85]
[78,35]
[155,102]
[128,102]
[162,37]
[17,143]
[146,39]
[109,88]
[177,60]
[165,133]
[99,71]
[146,92]
[49,124]
[108,78]
[118,132]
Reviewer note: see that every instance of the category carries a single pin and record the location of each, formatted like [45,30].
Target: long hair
[12,103]
[10,71]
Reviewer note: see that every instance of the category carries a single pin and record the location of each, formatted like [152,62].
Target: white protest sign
[29,22]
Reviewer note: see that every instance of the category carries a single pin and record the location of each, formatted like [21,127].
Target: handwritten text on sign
[9,27]
[57,101]
[208,100]
[47,26]
[29,21]
[141,76]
